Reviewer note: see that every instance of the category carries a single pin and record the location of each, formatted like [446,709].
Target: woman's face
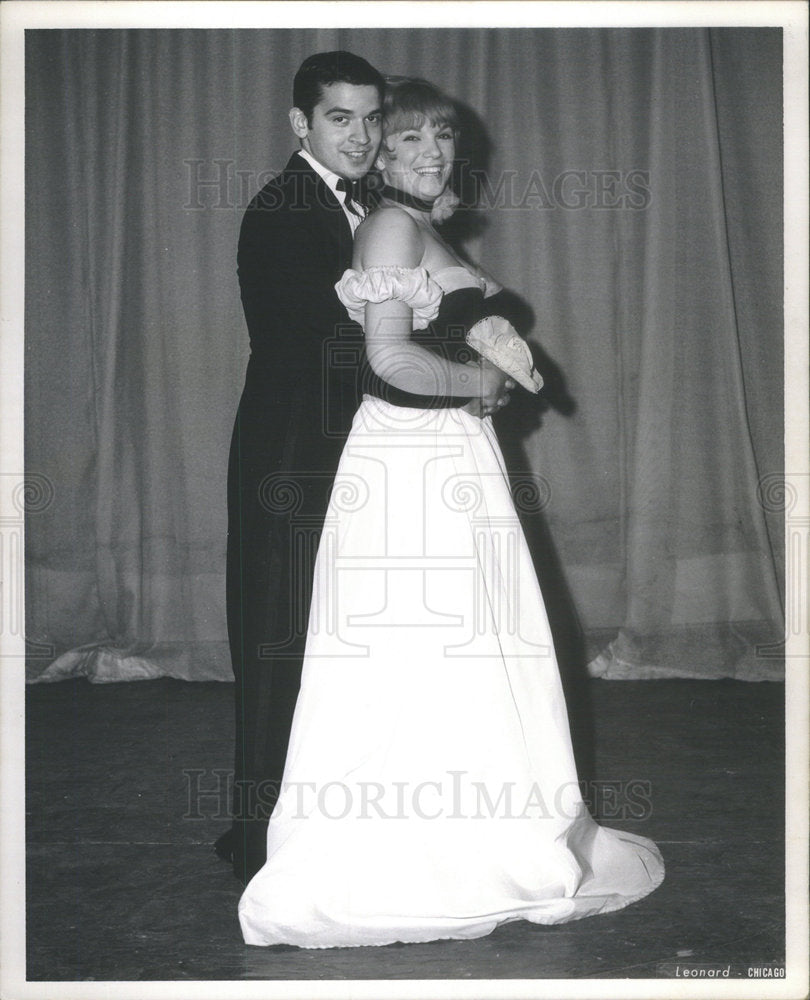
[419,161]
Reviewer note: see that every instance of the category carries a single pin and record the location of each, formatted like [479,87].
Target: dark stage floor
[124,885]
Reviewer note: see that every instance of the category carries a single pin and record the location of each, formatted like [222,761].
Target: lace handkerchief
[499,342]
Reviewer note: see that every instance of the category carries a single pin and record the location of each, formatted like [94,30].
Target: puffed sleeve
[411,285]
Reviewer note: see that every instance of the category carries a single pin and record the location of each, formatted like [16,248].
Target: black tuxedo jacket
[295,243]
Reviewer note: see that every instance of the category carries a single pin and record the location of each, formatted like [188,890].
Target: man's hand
[494,386]
[444,206]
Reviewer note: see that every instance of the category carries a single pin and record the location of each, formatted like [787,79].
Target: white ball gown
[430,789]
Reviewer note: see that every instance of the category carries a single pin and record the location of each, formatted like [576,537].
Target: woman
[430,789]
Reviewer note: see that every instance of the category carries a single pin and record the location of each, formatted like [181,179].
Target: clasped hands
[494,389]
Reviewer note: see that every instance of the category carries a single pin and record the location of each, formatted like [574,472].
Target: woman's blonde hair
[410,101]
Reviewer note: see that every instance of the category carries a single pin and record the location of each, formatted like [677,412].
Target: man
[298,402]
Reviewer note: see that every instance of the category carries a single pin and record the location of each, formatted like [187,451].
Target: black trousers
[283,459]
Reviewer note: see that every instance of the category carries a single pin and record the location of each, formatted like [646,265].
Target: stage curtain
[629,187]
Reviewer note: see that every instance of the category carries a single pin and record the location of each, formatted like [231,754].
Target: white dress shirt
[331,179]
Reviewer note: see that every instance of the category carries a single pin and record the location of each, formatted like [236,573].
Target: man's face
[346,129]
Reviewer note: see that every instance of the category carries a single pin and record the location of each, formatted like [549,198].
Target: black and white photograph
[404,500]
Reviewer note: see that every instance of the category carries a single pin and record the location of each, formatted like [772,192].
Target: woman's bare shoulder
[388,236]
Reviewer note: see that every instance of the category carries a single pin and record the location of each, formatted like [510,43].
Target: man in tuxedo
[296,408]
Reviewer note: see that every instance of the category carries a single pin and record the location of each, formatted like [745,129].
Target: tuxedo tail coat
[300,394]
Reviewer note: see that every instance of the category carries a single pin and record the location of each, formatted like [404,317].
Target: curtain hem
[102,664]
[742,651]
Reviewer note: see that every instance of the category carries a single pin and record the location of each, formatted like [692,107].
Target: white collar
[330,178]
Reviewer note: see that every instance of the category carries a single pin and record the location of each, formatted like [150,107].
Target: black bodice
[458,312]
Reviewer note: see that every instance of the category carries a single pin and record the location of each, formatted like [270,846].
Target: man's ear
[299,123]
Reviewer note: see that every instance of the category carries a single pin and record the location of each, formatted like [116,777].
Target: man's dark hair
[324,68]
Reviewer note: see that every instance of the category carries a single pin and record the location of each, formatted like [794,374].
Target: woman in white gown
[430,789]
